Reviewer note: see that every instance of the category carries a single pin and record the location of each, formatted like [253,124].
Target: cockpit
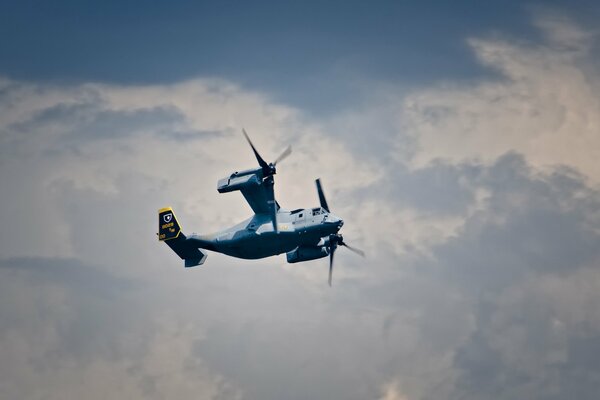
[318,211]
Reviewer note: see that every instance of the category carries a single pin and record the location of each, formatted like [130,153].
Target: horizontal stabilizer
[187,251]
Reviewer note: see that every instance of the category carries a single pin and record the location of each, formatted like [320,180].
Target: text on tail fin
[168,227]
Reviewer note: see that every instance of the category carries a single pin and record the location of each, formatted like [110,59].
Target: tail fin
[168,227]
[169,232]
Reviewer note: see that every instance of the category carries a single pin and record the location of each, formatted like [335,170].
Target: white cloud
[53,136]
[544,104]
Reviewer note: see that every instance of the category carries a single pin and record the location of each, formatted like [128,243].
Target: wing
[259,193]
[258,197]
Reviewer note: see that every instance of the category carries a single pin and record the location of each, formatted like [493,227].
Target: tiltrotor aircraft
[304,234]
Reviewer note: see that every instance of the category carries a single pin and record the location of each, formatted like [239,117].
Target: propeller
[337,239]
[321,195]
[268,170]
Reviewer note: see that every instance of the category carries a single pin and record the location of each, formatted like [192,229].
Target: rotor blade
[354,249]
[283,155]
[331,251]
[322,195]
[269,184]
[260,160]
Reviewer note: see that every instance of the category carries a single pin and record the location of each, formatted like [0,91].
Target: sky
[459,143]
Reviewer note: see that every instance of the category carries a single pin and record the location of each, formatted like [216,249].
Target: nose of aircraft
[338,222]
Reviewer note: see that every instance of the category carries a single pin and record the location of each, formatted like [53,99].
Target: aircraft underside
[265,245]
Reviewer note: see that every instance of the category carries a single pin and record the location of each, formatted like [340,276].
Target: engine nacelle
[236,182]
[306,253]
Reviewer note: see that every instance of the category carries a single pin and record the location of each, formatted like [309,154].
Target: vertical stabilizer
[169,232]
[168,227]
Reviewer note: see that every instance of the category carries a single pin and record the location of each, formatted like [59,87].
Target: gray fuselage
[255,238]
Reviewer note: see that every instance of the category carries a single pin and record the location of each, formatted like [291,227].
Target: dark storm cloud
[539,226]
[526,347]
[304,53]
[438,187]
[535,222]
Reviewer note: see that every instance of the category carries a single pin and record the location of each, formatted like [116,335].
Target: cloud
[72,330]
[543,104]
[476,202]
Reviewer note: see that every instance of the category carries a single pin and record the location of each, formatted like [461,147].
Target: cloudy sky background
[459,143]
